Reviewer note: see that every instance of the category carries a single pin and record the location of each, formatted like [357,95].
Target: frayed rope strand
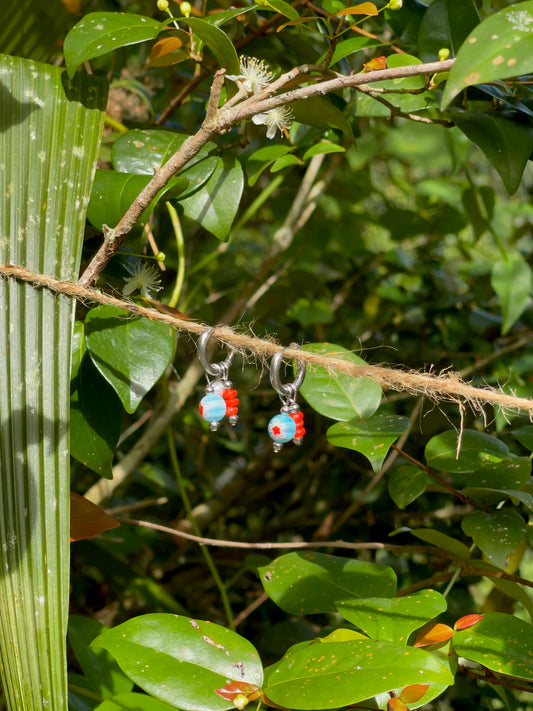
[444,387]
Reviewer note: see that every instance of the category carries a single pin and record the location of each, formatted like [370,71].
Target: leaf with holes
[101,32]
[306,583]
[182,661]
[372,436]
[393,619]
[500,47]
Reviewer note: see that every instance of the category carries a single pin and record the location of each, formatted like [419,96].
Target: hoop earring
[289,424]
[220,399]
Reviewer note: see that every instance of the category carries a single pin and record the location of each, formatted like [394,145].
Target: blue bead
[212,407]
[282,428]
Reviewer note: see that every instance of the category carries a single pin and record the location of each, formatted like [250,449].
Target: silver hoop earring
[289,424]
[220,399]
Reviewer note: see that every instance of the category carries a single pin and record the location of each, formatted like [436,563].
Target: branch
[226,117]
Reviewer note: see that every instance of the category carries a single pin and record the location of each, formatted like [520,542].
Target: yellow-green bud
[444,53]
[160,256]
[162,5]
[186,9]
[240,701]
[395,4]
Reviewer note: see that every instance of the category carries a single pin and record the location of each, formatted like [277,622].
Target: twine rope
[447,386]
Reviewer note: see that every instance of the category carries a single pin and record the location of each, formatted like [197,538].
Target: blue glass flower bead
[212,407]
[282,428]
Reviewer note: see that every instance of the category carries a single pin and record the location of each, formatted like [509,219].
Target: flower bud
[186,9]
[162,5]
[444,53]
[395,4]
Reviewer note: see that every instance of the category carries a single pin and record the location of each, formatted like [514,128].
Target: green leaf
[393,619]
[507,144]
[307,583]
[441,540]
[99,668]
[499,642]
[182,661]
[323,147]
[500,47]
[492,497]
[33,29]
[215,204]
[334,394]
[350,46]
[406,484]
[371,436]
[138,150]
[512,280]
[329,676]
[509,587]
[96,415]
[497,533]
[446,23]
[80,694]
[114,192]
[131,353]
[280,6]
[262,158]
[525,436]
[477,450]
[135,702]
[101,32]
[50,132]
[321,112]
[218,42]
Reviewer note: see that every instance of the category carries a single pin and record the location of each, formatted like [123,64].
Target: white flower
[279,117]
[255,75]
[144,278]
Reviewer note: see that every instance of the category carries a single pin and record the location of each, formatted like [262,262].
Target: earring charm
[220,399]
[289,424]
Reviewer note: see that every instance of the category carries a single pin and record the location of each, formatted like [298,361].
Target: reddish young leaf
[87,519]
[240,693]
[433,634]
[376,63]
[467,621]
[365,8]
[396,704]
[413,693]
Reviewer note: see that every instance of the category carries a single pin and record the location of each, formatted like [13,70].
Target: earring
[289,424]
[220,399]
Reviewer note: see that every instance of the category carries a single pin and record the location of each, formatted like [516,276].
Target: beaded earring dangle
[289,424]
[220,399]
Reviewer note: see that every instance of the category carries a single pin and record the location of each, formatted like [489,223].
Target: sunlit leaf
[364,8]
[435,633]
[413,693]
[467,621]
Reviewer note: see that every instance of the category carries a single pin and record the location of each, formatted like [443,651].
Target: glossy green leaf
[496,533]
[499,642]
[50,132]
[507,144]
[500,47]
[215,204]
[114,192]
[138,150]
[280,6]
[100,669]
[135,702]
[446,23]
[101,32]
[306,583]
[512,280]
[321,148]
[220,17]
[371,436]
[131,353]
[350,46]
[441,540]
[393,619]
[525,436]
[406,484]
[96,415]
[218,42]
[492,497]
[329,676]
[262,158]
[477,450]
[334,394]
[321,112]
[182,661]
